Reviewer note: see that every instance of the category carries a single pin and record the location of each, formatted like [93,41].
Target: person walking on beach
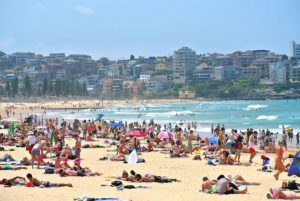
[297,139]
[251,146]
[279,166]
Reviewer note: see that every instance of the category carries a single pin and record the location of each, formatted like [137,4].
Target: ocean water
[258,114]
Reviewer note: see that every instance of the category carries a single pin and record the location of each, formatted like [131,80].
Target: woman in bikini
[279,166]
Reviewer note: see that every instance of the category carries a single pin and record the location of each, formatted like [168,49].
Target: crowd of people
[44,138]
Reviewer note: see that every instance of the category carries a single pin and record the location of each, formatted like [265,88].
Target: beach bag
[49,171]
[292,185]
[116,183]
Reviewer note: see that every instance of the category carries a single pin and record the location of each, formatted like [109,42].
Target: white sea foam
[267,117]
[255,107]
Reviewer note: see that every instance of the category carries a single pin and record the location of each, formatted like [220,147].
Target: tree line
[58,88]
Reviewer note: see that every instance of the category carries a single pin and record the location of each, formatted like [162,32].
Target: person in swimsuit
[77,146]
[275,193]
[251,146]
[36,182]
[279,166]
[190,139]
[9,167]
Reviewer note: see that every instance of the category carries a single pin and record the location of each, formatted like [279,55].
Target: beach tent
[295,166]
[136,133]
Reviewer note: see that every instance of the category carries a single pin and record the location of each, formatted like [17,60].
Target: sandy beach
[189,171]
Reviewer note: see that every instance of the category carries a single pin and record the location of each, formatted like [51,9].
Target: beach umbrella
[136,133]
[165,134]
[115,124]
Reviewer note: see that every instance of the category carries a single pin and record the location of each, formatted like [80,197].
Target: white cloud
[84,10]
[7,42]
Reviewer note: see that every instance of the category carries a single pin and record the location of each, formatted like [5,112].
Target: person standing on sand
[284,138]
[279,166]
[77,146]
[251,146]
[190,139]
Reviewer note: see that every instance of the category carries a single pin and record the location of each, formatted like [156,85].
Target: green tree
[57,87]
[7,89]
[45,87]
[15,87]
[27,87]
[132,57]
[2,54]
[84,89]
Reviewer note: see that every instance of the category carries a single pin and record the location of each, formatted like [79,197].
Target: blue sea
[257,114]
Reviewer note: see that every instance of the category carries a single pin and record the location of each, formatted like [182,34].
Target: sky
[118,28]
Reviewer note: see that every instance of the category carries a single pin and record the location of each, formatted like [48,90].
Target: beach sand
[188,171]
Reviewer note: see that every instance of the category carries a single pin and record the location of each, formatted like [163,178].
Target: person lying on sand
[36,182]
[7,158]
[275,193]
[153,178]
[69,172]
[13,181]
[9,167]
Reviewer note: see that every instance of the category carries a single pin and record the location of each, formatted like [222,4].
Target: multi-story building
[223,61]
[144,78]
[23,57]
[80,57]
[294,49]
[278,72]
[156,84]
[263,64]
[202,73]
[295,73]
[56,57]
[251,72]
[260,54]
[184,62]
[242,60]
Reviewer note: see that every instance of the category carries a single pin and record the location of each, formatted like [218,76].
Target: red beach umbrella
[136,133]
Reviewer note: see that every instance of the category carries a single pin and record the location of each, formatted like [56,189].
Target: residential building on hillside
[223,61]
[260,54]
[294,49]
[184,62]
[202,73]
[251,72]
[295,73]
[278,72]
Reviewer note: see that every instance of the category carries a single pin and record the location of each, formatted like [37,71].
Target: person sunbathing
[226,159]
[275,193]
[13,181]
[153,178]
[25,161]
[69,172]
[7,158]
[36,182]
[239,180]
[9,167]
[208,184]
